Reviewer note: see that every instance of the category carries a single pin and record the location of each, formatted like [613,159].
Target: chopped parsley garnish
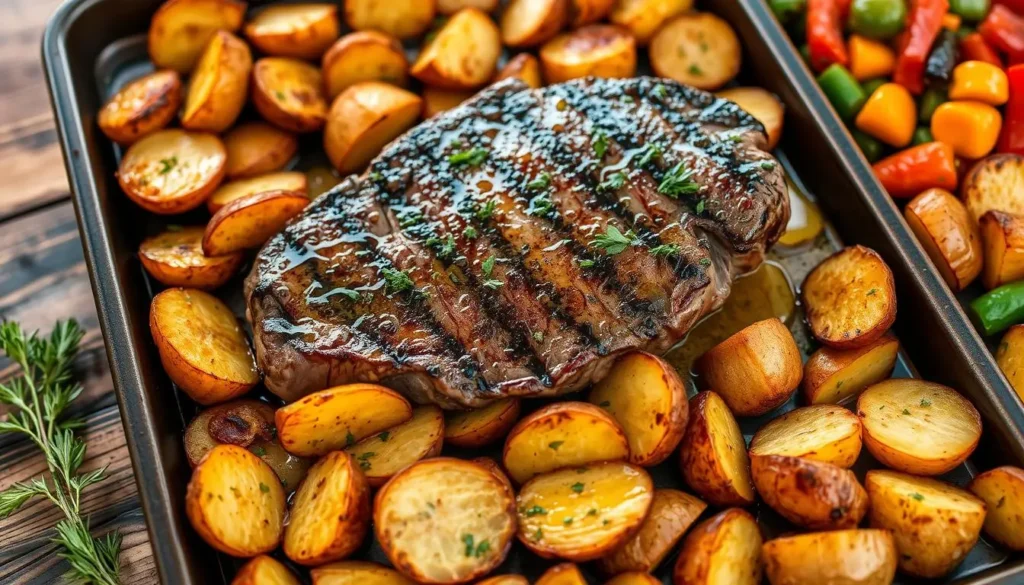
[384,436]
[567,521]
[678,182]
[651,152]
[542,181]
[586,263]
[472,157]
[467,539]
[665,250]
[872,292]
[554,445]
[264,488]
[166,164]
[695,70]
[469,233]
[613,242]
[917,496]
[279,94]
[487,210]
[592,512]
[538,535]
[577,487]
[364,460]
[628,99]
[351,294]
[767,165]
[600,144]
[397,280]
[350,439]
[535,511]
[614,182]
[376,177]
[699,209]
[926,402]
[540,206]
[409,218]
[481,549]
[660,91]
[905,411]
[493,283]
[705,262]
[445,247]
[735,138]
[488,265]
[538,336]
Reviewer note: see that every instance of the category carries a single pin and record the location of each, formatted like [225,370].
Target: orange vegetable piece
[951,21]
[971,128]
[981,82]
[889,115]
[916,169]
[870,59]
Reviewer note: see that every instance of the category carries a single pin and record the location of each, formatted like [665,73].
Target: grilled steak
[516,245]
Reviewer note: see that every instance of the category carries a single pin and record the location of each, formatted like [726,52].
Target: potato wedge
[504,580]
[450,7]
[437,101]
[363,119]
[754,370]
[357,573]
[562,574]
[302,31]
[698,49]
[563,434]
[180,30]
[808,493]
[235,502]
[995,182]
[291,181]
[850,298]
[934,524]
[339,417]
[762,105]
[713,456]
[648,400]
[383,455]
[445,520]
[840,557]
[483,426]
[725,548]
[833,375]
[1010,357]
[142,107]
[400,18]
[250,221]
[264,570]
[827,433]
[219,85]
[918,427]
[671,515]
[524,67]
[463,54]
[589,11]
[633,578]
[948,235]
[289,94]
[257,148]
[202,347]
[598,50]
[172,171]
[364,56]
[1002,235]
[1002,490]
[330,512]
[175,258]
[528,23]
[581,514]
[643,18]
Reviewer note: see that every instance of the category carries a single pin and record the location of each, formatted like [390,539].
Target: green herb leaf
[695,70]
[677,182]
[538,336]
[586,263]
[166,164]
[660,92]
[397,280]
[409,218]
[469,233]
[577,487]
[614,182]
[600,144]
[264,488]
[493,283]
[699,209]
[535,511]
[487,266]
[258,450]
[350,439]
[650,152]
[613,242]
[485,211]
[917,496]
[926,402]
[540,206]
[384,436]
[467,539]
[665,250]
[352,294]
[567,521]
[472,157]
[555,445]
[542,181]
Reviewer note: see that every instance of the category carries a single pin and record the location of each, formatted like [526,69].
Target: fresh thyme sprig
[38,399]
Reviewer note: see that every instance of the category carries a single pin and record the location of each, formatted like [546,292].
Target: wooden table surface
[43,278]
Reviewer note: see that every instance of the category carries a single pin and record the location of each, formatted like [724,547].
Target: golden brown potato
[339,417]
[330,513]
[201,345]
[826,433]
[248,222]
[504,580]
[256,148]
[524,67]
[1003,237]
[562,574]
[142,107]
[1010,357]
[671,515]
[235,502]
[436,101]
[948,235]
[175,258]
[581,514]
[994,183]
[755,370]
[356,573]
[445,520]
[840,557]
[646,397]
[172,171]
[850,298]
[385,454]
[725,548]
[834,375]
[219,85]
[934,524]
[1002,490]
[808,493]
[643,18]
[713,456]
[483,426]
[291,181]
[761,104]
[400,18]
[449,7]
[364,56]
[560,435]
[496,469]
[303,31]
[363,119]
[528,23]
[598,50]
[918,427]
[289,94]
[264,570]
[698,49]
[180,30]
[589,11]
[463,54]
[633,578]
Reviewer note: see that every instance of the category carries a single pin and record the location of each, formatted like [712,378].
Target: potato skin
[528,23]
[264,570]
[307,40]
[643,18]
[364,56]
[177,259]
[671,515]
[702,468]
[482,428]
[991,184]
[523,67]
[248,222]
[289,94]
[1003,237]
[563,574]
[827,362]
[1010,358]
[228,61]
[363,119]
[180,29]
[710,539]
[841,557]
[142,107]
[948,235]
[1002,490]
[762,105]
[255,148]
[463,55]
[598,50]
[812,494]
[356,573]
[401,18]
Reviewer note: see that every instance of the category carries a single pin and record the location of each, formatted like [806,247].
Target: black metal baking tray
[91,47]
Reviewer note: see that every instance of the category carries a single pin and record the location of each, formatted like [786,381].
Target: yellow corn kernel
[870,59]
[889,115]
[981,82]
[971,128]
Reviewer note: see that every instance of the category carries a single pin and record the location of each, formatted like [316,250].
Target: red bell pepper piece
[1004,30]
[916,169]
[924,24]
[1012,138]
[825,42]
[1014,5]
[974,48]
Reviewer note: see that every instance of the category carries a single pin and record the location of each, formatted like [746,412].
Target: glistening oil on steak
[518,244]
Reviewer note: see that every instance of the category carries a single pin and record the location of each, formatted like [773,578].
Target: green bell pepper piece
[922,136]
[999,308]
[878,19]
[869,145]
[930,99]
[843,91]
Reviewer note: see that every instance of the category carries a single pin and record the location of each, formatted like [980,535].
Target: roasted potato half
[172,171]
[808,493]
[648,400]
[235,502]
[1010,357]
[364,56]
[827,433]
[698,49]
[598,50]
[1002,490]
[383,455]
[175,258]
[589,11]
[302,31]
[291,181]
[633,578]
[449,7]
[834,375]
[363,119]
[339,417]
[219,85]
[504,580]
[289,94]
[918,427]
[463,54]
[840,557]
[671,515]
[563,434]
[437,101]
[762,105]
[580,514]
[357,573]
[994,183]
[850,298]
[142,107]
[524,67]
[483,426]
[934,524]
[256,148]
[725,548]
[248,222]
[562,574]
[713,456]
[528,23]
[445,520]
[643,18]
[948,234]
[1002,235]
[264,570]
[201,345]
[180,30]
[400,18]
